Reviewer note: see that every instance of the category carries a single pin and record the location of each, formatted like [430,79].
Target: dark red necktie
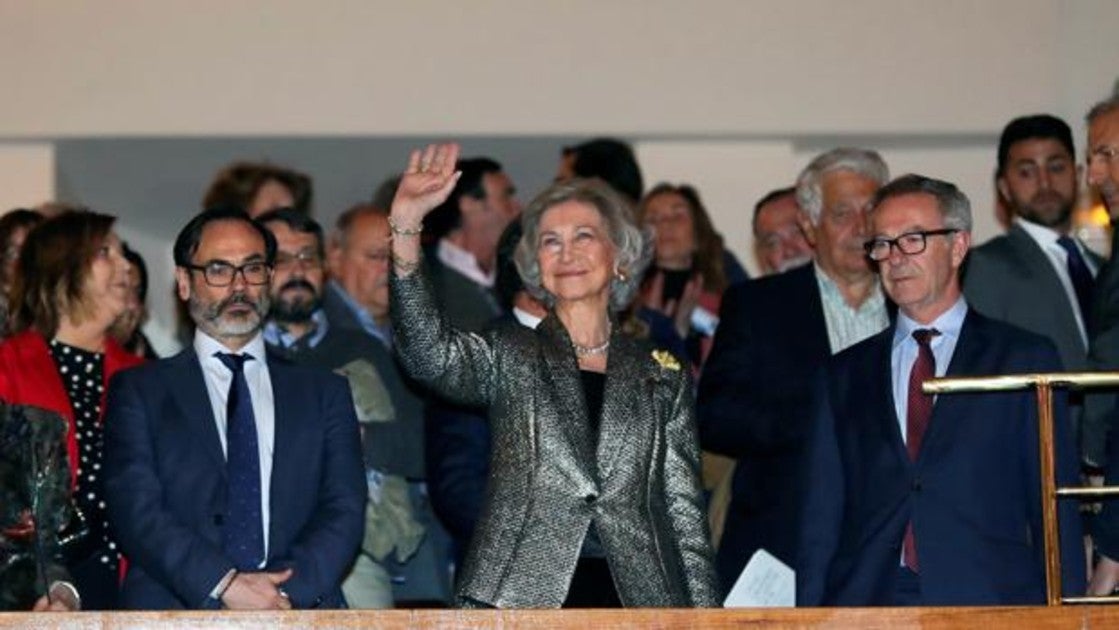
[918,413]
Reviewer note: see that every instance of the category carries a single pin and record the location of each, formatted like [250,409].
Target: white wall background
[734,95]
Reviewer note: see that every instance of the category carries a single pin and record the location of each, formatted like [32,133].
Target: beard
[214,321]
[297,309]
[1047,208]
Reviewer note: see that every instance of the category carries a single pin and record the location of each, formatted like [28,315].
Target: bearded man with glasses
[922,500]
[233,478]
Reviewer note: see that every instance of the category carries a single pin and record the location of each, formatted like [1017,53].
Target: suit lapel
[624,378]
[891,424]
[563,371]
[965,358]
[1050,288]
[189,392]
[288,406]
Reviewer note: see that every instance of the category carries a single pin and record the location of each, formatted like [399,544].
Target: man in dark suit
[773,334]
[233,479]
[923,501]
[1102,413]
[1038,276]
[462,258]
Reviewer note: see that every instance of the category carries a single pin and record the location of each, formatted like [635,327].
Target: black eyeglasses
[222,274]
[910,243]
[307,260]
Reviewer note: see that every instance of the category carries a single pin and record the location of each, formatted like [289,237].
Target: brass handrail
[1044,384]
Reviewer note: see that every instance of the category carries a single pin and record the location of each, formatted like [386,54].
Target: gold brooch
[665,359]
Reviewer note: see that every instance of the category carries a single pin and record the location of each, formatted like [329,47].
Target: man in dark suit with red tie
[916,500]
[233,478]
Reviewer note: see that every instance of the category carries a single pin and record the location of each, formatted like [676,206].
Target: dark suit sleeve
[458,454]
[170,552]
[328,542]
[737,416]
[822,512]
[684,499]
[981,282]
[1100,410]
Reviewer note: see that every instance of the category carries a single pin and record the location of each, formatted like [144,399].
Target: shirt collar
[947,323]
[829,290]
[463,262]
[205,346]
[528,320]
[275,335]
[1043,236]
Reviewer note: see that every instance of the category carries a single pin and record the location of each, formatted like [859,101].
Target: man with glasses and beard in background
[392,442]
[233,478]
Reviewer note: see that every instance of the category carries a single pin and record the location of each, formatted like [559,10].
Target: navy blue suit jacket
[753,405]
[165,483]
[973,494]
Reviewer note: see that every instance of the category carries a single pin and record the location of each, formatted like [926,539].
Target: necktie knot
[1068,245]
[924,336]
[235,362]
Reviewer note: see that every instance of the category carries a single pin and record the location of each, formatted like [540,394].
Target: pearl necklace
[590,351]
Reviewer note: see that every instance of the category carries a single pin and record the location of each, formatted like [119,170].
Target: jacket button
[219,520]
[589,499]
[916,485]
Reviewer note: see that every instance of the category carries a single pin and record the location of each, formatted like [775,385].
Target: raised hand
[426,183]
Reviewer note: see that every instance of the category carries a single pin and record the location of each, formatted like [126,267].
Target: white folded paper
[766,582]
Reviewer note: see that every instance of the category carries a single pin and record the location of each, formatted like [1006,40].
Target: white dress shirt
[218,379]
[462,261]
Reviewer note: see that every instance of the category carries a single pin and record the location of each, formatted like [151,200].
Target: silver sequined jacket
[548,481]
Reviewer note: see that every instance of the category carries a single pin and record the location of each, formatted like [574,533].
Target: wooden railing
[1043,385]
[1024,618]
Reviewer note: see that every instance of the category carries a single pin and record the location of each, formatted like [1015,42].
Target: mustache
[236,299]
[298,283]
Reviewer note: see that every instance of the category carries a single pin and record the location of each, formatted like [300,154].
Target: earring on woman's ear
[619,275]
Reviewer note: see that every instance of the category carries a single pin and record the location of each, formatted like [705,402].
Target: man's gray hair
[1106,106]
[633,248]
[809,186]
[951,201]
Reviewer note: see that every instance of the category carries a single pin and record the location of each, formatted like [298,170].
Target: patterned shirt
[848,326]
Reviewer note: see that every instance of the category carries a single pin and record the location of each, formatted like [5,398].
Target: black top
[594,385]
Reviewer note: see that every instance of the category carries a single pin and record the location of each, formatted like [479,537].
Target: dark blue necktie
[243,532]
[1082,281]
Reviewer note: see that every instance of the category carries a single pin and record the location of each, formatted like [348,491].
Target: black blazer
[753,405]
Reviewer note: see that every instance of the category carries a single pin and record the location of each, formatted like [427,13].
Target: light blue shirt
[274,335]
[368,324]
[904,352]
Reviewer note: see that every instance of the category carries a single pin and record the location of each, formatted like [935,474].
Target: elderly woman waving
[594,496]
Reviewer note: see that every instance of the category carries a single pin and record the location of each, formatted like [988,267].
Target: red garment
[29,376]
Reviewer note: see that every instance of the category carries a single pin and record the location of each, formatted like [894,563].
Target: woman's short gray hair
[633,247]
[810,195]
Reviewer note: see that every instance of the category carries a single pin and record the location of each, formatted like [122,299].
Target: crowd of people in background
[451,398]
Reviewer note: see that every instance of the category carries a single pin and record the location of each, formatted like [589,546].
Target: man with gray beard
[233,478]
